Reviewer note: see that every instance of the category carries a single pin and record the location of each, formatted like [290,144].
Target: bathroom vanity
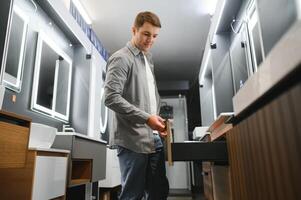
[87,162]
[34,173]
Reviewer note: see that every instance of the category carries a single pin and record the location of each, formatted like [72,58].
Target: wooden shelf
[81,171]
[79,181]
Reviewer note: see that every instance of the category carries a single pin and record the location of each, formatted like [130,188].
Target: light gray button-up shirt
[127,94]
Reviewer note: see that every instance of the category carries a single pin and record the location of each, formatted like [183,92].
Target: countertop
[81,136]
[49,150]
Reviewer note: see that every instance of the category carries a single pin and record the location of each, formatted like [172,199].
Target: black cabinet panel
[202,151]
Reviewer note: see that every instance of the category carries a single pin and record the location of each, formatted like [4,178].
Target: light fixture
[211,6]
[220,13]
[82,11]
[220,16]
[205,67]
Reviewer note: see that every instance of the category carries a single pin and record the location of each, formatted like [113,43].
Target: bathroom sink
[41,136]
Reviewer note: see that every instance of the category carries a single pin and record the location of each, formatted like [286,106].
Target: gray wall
[275,19]
[79,107]
[222,47]
[206,100]
[222,74]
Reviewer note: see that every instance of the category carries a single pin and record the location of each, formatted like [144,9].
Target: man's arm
[115,80]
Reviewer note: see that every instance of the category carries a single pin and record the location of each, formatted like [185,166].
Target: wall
[38,20]
[80,91]
[180,133]
[206,98]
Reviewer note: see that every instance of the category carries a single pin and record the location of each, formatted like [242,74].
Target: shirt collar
[135,50]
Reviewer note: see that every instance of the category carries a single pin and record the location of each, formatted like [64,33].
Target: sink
[41,136]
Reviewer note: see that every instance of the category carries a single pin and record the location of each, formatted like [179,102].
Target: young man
[131,92]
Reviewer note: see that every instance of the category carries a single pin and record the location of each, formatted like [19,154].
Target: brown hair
[149,17]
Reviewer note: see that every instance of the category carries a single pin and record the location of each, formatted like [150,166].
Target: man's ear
[134,30]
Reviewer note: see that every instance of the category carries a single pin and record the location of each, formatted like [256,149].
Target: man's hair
[149,17]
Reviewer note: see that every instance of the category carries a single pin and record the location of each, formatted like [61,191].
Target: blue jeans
[142,175]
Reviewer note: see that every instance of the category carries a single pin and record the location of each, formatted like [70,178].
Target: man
[131,92]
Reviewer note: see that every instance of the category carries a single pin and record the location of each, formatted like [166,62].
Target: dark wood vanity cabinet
[265,151]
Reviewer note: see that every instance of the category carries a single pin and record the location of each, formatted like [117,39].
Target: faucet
[68,128]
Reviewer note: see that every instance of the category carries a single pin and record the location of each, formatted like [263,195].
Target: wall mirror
[240,58]
[52,80]
[12,77]
[254,35]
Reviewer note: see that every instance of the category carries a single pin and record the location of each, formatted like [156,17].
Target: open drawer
[201,151]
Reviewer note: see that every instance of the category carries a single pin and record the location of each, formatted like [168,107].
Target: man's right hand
[156,123]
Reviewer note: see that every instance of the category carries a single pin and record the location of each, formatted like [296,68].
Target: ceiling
[179,48]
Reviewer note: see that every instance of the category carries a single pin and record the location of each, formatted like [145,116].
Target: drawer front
[202,151]
[49,177]
[13,145]
[208,188]
[88,149]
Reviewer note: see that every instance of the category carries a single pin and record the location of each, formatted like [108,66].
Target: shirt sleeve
[117,71]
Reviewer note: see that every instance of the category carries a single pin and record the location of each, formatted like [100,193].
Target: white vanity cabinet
[113,177]
[43,177]
[49,177]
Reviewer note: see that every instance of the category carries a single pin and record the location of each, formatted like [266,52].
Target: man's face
[144,37]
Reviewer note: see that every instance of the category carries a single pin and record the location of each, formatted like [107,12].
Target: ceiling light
[82,11]
[220,15]
[202,77]
[211,6]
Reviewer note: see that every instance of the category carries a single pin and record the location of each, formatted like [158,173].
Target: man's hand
[156,123]
[163,134]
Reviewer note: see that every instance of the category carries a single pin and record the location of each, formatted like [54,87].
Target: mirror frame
[42,38]
[103,126]
[9,81]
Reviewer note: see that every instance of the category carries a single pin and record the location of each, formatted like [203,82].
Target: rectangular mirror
[52,80]
[240,59]
[254,35]
[16,49]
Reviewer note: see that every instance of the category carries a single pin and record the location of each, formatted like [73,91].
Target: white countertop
[49,150]
[81,136]
[281,61]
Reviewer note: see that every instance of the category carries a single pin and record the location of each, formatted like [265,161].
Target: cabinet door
[49,177]
[113,177]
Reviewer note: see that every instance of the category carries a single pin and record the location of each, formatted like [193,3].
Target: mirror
[12,77]
[52,80]
[239,55]
[254,32]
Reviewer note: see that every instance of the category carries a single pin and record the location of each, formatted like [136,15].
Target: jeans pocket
[120,150]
